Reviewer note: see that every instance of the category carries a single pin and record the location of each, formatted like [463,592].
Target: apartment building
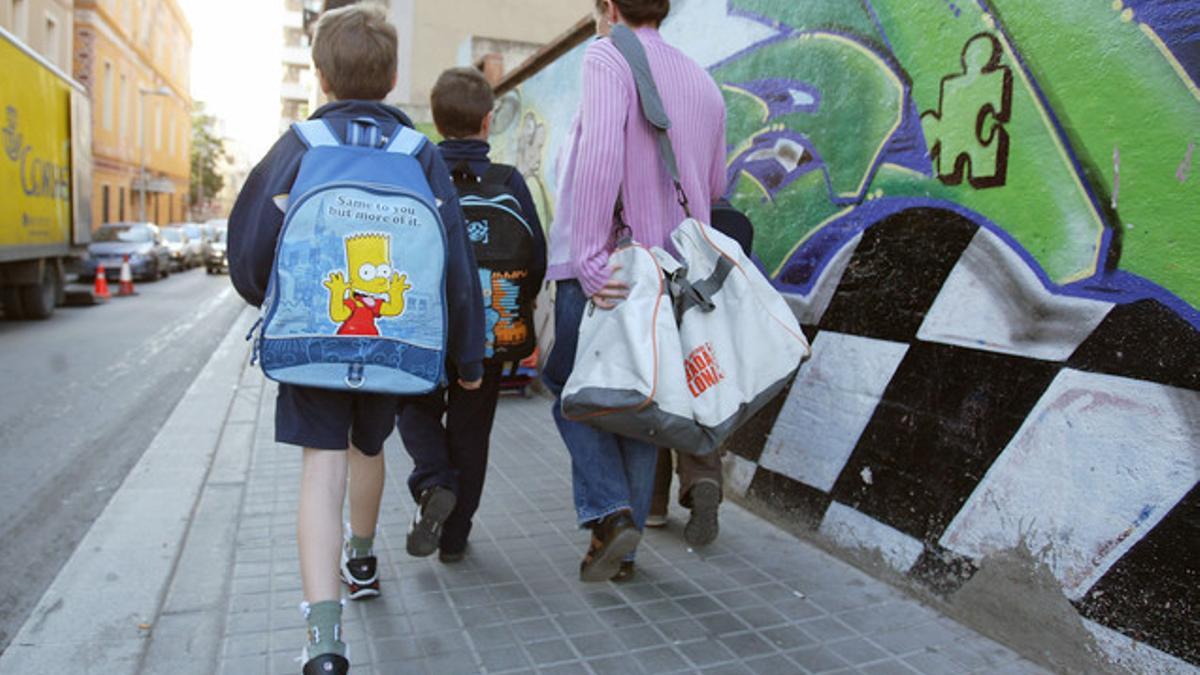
[134,57]
[45,26]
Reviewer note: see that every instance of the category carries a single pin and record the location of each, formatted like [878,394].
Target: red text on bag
[703,372]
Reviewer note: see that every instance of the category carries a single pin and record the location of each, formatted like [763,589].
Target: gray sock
[361,547]
[325,628]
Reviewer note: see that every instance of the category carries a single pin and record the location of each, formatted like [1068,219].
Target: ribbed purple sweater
[613,148]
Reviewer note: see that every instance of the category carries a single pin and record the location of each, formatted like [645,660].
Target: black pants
[455,455]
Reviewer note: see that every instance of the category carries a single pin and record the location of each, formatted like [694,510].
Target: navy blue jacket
[255,222]
[475,154]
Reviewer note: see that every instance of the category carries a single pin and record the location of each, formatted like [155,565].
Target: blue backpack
[356,299]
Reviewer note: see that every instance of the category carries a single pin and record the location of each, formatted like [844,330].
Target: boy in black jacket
[450,461]
[355,54]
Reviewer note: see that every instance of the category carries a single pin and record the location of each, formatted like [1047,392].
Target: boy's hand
[612,292]
[472,385]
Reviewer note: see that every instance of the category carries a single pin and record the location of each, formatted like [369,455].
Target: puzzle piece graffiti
[967,135]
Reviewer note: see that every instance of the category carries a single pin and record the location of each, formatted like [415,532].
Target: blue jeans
[609,472]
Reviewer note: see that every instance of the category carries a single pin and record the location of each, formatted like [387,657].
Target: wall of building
[44,25]
[433,31]
[123,48]
[987,217]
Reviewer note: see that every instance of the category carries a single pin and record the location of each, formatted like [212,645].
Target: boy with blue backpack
[350,236]
[450,460]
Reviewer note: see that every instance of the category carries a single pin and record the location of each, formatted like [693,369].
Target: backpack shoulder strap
[406,141]
[315,134]
[498,174]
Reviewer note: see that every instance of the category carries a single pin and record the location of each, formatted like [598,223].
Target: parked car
[215,260]
[194,248]
[148,256]
[178,248]
[198,239]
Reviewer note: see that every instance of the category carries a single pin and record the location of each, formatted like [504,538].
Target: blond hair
[354,49]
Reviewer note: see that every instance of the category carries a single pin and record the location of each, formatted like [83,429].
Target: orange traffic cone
[126,286]
[101,288]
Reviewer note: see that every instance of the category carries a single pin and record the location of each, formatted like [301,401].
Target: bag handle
[653,110]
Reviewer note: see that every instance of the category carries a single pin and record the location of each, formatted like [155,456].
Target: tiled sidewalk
[757,601]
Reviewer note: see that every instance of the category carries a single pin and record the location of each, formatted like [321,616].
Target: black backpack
[504,249]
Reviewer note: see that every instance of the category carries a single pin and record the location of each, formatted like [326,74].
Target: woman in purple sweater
[613,150]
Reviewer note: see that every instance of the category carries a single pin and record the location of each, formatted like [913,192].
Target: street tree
[208,151]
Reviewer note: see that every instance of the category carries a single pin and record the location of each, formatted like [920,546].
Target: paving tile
[817,659]
[931,662]
[550,652]
[639,637]
[747,645]
[565,669]
[776,664]
[682,630]
[857,651]
[504,659]
[596,645]
[661,660]
[889,667]
[705,653]
[827,629]
[579,624]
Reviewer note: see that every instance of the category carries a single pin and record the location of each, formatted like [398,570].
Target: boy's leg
[433,482]
[360,567]
[319,421]
[700,485]
[469,419]
[420,424]
[661,500]
[319,535]
[367,474]
[372,419]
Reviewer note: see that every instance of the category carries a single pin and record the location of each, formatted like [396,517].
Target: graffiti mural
[986,216]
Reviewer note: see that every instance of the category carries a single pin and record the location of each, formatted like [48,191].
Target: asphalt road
[81,397]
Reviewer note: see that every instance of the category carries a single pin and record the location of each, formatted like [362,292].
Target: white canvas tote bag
[628,372]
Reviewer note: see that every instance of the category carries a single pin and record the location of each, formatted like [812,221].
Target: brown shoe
[613,538]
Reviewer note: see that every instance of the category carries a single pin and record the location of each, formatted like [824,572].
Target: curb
[97,614]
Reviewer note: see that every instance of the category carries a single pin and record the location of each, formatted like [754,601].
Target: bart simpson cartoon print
[374,289]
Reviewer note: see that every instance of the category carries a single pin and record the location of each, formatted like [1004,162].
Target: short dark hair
[641,12]
[355,51]
[461,99]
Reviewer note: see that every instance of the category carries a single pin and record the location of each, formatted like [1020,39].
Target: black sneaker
[612,539]
[437,504]
[361,575]
[702,527]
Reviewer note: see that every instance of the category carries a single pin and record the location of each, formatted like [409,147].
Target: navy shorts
[330,420]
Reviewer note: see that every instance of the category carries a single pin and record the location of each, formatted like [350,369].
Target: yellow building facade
[134,57]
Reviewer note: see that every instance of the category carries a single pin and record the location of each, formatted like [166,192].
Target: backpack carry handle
[364,132]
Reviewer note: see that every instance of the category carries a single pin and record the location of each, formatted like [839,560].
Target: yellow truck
[45,179]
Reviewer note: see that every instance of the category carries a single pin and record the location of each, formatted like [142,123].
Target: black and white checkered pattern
[954,407]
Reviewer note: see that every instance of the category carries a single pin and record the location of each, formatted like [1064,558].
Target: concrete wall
[987,217]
